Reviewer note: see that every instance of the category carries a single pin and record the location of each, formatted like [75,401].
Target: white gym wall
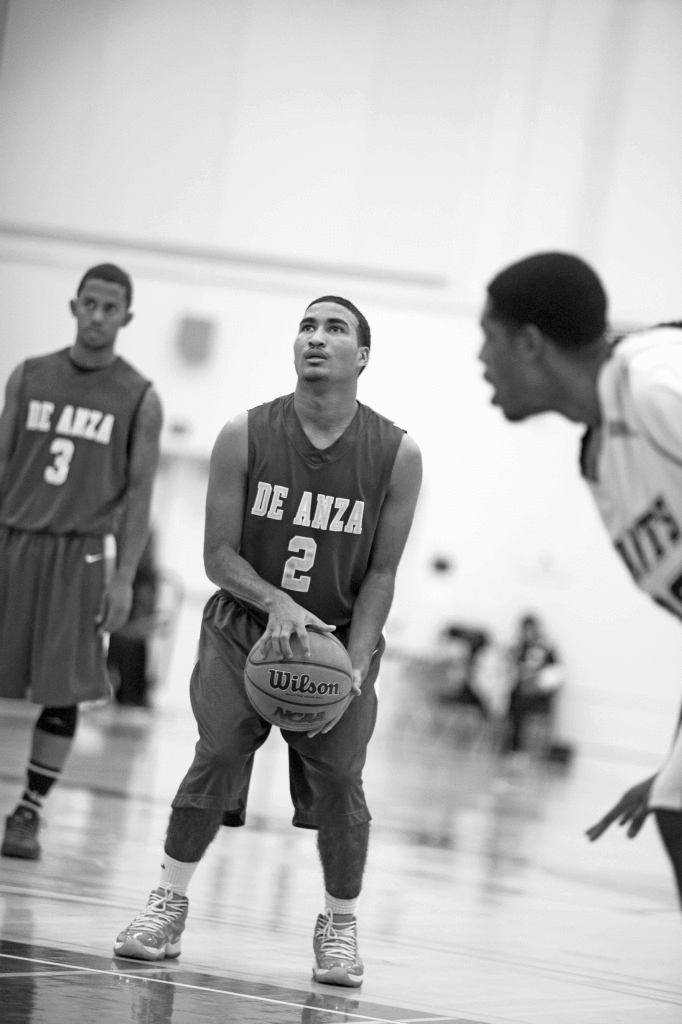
[240,157]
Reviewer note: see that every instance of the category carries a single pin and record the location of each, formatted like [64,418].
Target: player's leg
[670,829]
[214,790]
[51,744]
[516,713]
[343,855]
[21,573]
[63,577]
[665,800]
[327,790]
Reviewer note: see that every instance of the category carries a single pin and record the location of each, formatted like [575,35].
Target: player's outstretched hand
[114,609]
[633,807]
[286,619]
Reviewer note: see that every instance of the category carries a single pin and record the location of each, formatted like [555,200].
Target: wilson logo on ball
[280,680]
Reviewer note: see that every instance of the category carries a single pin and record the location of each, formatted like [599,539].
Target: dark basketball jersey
[311,514]
[68,472]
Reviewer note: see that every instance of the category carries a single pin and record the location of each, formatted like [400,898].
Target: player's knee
[222,761]
[58,721]
[343,785]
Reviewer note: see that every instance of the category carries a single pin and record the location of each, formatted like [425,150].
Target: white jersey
[633,461]
[633,465]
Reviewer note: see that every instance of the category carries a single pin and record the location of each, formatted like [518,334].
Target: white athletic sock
[341,907]
[177,874]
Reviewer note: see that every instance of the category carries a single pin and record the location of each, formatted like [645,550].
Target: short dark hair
[364,334]
[109,272]
[557,292]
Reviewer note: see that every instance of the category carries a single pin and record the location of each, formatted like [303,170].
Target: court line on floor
[73,968]
[661,992]
[33,974]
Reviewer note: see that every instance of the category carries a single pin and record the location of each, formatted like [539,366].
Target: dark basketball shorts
[50,592]
[325,771]
[666,792]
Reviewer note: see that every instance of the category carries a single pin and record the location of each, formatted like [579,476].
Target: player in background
[310,502]
[79,442]
[546,349]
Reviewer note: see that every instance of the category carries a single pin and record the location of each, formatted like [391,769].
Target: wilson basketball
[302,693]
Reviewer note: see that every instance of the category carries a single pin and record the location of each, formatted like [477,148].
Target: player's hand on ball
[355,691]
[633,807]
[286,619]
[117,601]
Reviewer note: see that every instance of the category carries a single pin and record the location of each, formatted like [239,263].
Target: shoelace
[335,943]
[157,913]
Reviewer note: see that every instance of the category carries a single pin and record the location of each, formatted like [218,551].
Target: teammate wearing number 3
[310,502]
[79,436]
[546,349]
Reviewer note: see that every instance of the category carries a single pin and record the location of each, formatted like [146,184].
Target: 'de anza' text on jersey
[311,514]
[68,471]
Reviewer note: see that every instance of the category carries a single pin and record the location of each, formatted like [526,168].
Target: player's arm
[134,530]
[658,401]
[9,418]
[632,810]
[376,592]
[375,596]
[225,509]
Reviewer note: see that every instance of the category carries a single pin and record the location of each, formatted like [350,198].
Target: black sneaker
[21,835]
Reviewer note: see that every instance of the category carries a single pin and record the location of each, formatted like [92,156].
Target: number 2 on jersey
[299,563]
[63,450]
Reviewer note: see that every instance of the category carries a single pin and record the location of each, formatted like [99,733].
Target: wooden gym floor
[483,900]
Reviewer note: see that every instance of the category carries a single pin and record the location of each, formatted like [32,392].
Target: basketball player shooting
[545,350]
[310,502]
[79,442]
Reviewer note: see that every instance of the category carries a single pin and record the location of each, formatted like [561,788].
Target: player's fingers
[102,616]
[105,625]
[638,820]
[601,826]
[626,814]
[275,645]
[285,645]
[302,634]
[318,732]
[629,805]
[597,830]
[319,625]
[263,644]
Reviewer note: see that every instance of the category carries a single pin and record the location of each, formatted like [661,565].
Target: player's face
[506,370]
[100,311]
[326,346]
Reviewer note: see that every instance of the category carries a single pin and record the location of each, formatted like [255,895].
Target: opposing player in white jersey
[546,349]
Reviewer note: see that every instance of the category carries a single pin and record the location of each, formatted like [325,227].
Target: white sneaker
[155,934]
[337,961]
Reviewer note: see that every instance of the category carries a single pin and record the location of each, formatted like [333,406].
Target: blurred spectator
[537,677]
[464,646]
[128,657]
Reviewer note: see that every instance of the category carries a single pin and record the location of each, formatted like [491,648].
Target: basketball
[301,693]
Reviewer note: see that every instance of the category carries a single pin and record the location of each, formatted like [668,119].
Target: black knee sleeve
[59,721]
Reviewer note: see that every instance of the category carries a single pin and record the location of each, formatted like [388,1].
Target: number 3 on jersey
[299,563]
[63,450]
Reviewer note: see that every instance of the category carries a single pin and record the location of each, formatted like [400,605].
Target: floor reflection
[40,985]
[483,901]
